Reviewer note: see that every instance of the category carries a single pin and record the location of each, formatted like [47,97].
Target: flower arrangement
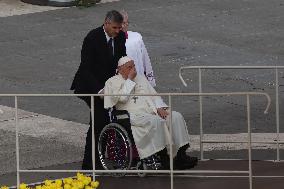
[79,182]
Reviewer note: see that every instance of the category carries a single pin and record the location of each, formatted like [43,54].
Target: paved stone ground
[43,140]
[16,7]
[46,141]
[177,33]
[40,52]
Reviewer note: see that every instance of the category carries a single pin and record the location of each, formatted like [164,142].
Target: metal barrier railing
[199,68]
[171,171]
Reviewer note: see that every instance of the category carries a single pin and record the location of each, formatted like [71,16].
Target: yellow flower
[87,181]
[74,183]
[23,186]
[80,176]
[95,184]
[80,182]
[53,186]
[47,182]
[74,187]
[89,178]
[67,180]
[4,187]
[58,182]
[67,186]
[80,185]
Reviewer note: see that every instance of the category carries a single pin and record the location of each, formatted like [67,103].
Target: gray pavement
[40,53]
[43,140]
[47,141]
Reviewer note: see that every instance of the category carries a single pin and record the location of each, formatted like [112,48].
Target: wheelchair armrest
[116,115]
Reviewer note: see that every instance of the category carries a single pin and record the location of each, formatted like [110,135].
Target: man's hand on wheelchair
[102,91]
[162,112]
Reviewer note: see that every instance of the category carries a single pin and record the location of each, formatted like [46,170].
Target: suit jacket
[97,64]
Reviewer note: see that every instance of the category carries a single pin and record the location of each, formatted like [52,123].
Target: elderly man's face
[112,28]
[125,69]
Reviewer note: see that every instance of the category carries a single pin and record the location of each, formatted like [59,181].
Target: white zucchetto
[123,60]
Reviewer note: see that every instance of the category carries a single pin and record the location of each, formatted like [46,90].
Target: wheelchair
[116,147]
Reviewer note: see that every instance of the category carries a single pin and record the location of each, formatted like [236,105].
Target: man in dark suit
[101,50]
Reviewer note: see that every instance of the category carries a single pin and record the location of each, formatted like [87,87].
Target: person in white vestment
[135,49]
[149,116]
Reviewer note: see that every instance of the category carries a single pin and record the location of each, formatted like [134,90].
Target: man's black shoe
[165,159]
[185,162]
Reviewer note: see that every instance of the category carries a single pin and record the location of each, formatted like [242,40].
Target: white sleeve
[112,88]
[127,88]
[159,103]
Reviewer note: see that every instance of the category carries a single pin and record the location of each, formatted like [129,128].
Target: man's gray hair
[124,14]
[114,16]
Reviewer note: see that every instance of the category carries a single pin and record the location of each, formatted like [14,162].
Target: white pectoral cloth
[149,130]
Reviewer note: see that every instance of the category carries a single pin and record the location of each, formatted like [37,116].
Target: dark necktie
[110,47]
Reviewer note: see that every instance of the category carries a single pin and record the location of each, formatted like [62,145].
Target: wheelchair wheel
[115,148]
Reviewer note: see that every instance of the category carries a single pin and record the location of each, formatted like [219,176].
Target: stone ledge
[55,3]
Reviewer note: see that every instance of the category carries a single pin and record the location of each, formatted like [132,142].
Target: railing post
[239,67]
[17,141]
[200,114]
[171,143]
[277,112]
[93,137]
[249,141]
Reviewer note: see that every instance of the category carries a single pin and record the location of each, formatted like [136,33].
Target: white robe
[136,50]
[149,130]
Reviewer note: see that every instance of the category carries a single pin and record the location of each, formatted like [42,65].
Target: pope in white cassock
[149,116]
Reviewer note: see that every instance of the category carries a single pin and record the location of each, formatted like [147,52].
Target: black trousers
[100,120]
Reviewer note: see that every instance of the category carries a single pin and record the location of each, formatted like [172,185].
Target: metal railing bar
[228,176]
[200,114]
[235,159]
[171,143]
[157,94]
[135,171]
[277,111]
[17,141]
[253,142]
[249,141]
[176,175]
[171,171]
[224,67]
[229,67]
[242,67]
[93,136]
